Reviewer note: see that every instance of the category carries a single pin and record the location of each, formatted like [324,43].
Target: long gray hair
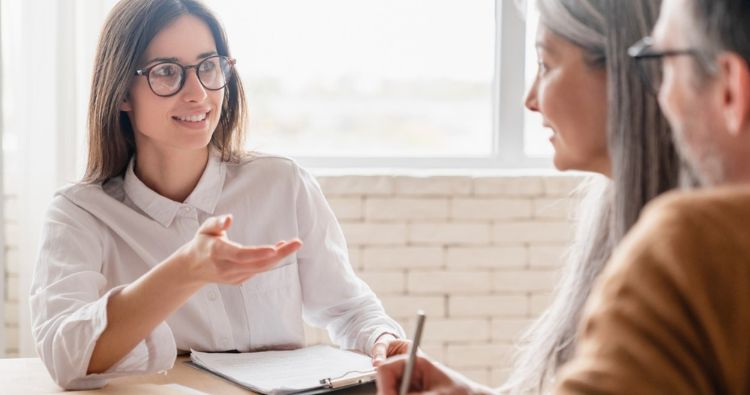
[644,164]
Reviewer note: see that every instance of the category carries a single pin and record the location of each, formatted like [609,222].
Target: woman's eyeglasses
[649,61]
[167,78]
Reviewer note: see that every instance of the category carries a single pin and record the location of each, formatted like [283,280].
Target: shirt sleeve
[68,301]
[333,296]
[666,317]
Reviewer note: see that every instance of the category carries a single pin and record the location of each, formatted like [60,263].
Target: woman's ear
[125,105]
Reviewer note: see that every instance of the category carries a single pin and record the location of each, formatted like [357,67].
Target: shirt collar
[204,197]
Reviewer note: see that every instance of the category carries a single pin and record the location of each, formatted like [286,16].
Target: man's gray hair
[722,25]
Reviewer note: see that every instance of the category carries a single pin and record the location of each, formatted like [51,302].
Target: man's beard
[702,158]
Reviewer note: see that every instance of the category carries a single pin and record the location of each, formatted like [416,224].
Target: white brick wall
[488,306]
[449,282]
[487,257]
[478,354]
[402,307]
[484,209]
[402,257]
[449,233]
[479,254]
[390,209]
[509,186]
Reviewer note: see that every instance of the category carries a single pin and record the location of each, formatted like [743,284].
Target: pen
[406,379]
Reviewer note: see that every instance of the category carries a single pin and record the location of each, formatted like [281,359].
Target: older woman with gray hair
[604,120]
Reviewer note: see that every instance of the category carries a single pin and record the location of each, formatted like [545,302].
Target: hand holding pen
[411,359]
[413,374]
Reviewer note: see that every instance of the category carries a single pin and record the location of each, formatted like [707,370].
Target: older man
[671,314]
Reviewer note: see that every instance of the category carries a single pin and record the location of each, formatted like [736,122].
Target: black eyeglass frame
[643,50]
[144,72]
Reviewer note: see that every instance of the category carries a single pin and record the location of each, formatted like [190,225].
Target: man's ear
[125,105]
[735,80]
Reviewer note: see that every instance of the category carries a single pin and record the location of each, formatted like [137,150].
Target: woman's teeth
[193,118]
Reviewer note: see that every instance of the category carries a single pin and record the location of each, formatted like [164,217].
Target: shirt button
[185,209]
[211,295]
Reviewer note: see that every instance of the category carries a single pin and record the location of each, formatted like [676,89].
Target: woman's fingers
[215,226]
[249,268]
[379,353]
[226,250]
[238,260]
[253,254]
[219,259]
[261,265]
[426,377]
[389,375]
[398,347]
[288,247]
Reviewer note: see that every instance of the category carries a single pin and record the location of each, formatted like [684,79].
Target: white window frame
[508,150]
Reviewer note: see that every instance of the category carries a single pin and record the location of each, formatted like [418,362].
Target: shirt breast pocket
[283,275]
[274,307]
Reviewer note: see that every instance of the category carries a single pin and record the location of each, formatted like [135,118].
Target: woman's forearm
[134,312]
[209,258]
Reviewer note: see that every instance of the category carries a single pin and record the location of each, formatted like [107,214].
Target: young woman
[604,120]
[176,239]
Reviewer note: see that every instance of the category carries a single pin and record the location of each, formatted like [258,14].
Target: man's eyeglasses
[167,78]
[649,61]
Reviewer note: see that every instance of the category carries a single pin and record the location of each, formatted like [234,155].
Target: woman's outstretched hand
[212,258]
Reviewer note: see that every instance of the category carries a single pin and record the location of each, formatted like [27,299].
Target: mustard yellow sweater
[671,312]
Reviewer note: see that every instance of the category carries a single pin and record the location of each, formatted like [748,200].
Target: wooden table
[28,376]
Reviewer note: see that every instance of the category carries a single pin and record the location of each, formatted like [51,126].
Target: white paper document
[284,372]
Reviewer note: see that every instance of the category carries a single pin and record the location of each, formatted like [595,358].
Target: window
[366,83]
[382,82]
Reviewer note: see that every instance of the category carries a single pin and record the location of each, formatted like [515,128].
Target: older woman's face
[571,96]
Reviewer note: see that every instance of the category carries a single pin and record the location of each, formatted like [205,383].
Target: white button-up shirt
[99,238]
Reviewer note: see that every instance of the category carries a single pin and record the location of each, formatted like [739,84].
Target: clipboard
[341,370]
[327,385]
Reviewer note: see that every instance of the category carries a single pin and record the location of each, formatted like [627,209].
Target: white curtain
[2,213]
[49,47]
